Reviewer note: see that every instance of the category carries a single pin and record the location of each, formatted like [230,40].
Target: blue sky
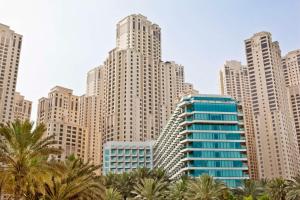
[73,36]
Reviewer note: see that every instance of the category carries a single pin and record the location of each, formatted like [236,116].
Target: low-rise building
[119,157]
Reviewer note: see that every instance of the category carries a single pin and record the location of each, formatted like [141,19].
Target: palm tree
[3,179]
[177,190]
[277,189]
[112,194]
[125,184]
[24,153]
[141,173]
[150,189]
[110,180]
[293,189]
[205,188]
[159,174]
[77,180]
[249,188]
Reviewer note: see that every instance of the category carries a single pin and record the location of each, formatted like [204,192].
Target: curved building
[205,135]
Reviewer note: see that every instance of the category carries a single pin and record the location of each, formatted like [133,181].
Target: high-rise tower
[22,107]
[139,89]
[10,49]
[234,81]
[132,82]
[291,69]
[277,148]
[91,114]
[60,113]
[133,93]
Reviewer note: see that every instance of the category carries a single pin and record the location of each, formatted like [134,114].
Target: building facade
[90,119]
[137,90]
[22,107]
[10,49]
[205,135]
[60,113]
[188,89]
[91,114]
[275,135]
[291,70]
[122,157]
[234,81]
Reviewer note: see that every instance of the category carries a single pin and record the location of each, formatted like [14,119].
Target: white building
[10,49]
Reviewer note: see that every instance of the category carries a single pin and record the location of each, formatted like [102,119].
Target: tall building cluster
[12,104]
[128,98]
[138,111]
[266,89]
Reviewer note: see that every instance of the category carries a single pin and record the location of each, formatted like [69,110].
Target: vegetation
[29,171]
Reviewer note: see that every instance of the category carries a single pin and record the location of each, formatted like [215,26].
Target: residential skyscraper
[277,148]
[91,113]
[10,49]
[90,119]
[131,96]
[132,90]
[94,82]
[204,136]
[60,113]
[188,88]
[234,81]
[139,89]
[22,107]
[291,69]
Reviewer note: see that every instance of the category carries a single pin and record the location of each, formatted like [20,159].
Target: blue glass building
[122,156]
[205,135]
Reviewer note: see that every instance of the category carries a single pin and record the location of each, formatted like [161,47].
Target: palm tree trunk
[17,192]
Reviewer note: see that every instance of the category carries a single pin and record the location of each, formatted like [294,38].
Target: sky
[64,39]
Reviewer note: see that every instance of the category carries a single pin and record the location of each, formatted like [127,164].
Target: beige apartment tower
[139,89]
[10,49]
[234,81]
[275,135]
[22,107]
[291,69]
[60,112]
[91,114]
[133,93]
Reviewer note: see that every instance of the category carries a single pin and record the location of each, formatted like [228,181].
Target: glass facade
[209,139]
[126,156]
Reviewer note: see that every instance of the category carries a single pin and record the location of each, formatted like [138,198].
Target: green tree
[264,197]
[294,189]
[141,173]
[205,188]
[110,180]
[112,194]
[177,190]
[277,189]
[24,153]
[77,180]
[150,189]
[159,174]
[249,188]
[123,183]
